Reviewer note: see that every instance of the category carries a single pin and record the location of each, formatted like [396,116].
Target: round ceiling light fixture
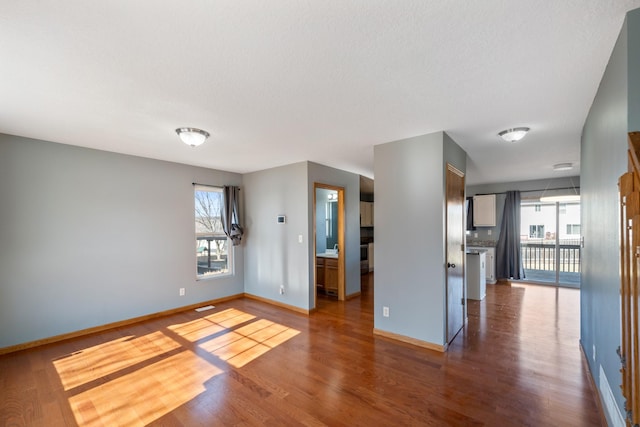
[192,136]
[513,134]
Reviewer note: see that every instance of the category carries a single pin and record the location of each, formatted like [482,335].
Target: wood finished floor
[516,363]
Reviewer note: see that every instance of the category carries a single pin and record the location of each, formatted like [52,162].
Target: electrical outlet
[182,292]
[475,235]
[385,311]
[281,289]
[488,232]
[299,238]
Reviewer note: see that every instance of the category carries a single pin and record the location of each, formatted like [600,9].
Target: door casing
[341,248]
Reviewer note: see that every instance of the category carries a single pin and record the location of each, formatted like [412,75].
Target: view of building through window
[212,245]
[550,241]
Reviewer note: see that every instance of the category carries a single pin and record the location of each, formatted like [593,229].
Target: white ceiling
[277,82]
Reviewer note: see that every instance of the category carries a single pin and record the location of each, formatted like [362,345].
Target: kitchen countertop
[482,243]
[327,255]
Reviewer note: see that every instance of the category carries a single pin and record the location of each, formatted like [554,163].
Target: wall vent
[205,308]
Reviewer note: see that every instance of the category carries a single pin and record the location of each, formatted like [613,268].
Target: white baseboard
[609,401]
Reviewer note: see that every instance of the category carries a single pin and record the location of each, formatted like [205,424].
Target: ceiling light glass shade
[563,166]
[514,134]
[561,199]
[192,136]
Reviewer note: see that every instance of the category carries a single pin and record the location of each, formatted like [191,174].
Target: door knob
[451,265]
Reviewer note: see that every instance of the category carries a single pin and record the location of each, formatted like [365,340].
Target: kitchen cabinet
[331,276]
[476,275]
[327,274]
[366,214]
[320,273]
[484,210]
[490,262]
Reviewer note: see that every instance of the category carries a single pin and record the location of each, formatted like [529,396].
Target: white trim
[609,401]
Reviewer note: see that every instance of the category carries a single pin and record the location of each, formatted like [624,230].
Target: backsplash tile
[481,243]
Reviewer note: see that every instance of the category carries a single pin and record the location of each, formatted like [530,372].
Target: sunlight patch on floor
[136,380]
[101,360]
[145,395]
[211,324]
[247,343]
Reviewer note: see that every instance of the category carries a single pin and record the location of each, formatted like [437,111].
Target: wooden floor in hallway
[516,363]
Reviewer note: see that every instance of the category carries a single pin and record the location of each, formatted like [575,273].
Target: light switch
[299,238]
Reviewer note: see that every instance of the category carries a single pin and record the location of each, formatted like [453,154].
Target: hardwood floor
[516,363]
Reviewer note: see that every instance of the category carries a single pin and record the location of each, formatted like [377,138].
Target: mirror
[326,220]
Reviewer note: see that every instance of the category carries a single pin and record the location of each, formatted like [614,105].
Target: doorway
[455,251]
[329,258]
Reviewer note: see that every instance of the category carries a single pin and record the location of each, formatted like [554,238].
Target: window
[536,231]
[537,208]
[213,257]
[573,229]
[331,211]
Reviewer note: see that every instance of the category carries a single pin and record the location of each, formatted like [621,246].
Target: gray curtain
[231,214]
[470,214]
[508,259]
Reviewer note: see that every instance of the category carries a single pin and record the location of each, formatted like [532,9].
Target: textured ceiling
[285,81]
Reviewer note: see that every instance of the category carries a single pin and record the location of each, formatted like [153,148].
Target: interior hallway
[517,362]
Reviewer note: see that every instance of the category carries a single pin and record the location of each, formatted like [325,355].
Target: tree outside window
[212,245]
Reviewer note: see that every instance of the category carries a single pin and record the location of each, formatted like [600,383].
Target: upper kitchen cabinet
[366,214]
[484,210]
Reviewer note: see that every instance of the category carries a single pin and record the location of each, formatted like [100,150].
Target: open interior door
[455,251]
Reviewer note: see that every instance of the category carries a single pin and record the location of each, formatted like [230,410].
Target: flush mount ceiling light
[192,136]
[513,134]
[563,166]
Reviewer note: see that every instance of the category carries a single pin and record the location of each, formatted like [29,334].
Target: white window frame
[571,228]
[533,232]
[218,235]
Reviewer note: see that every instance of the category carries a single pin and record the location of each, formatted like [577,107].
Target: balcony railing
[541,255]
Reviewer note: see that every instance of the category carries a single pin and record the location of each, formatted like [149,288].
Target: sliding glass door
[550,242]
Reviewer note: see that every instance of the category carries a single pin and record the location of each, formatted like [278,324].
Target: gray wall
[89,237]
[351,183]
[274,256]
[603,160]
[454,155]
[633,67]
[409,230]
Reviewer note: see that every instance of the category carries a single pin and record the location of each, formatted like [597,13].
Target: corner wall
[351,183]
[409,230]
[274,257]
[89,237]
